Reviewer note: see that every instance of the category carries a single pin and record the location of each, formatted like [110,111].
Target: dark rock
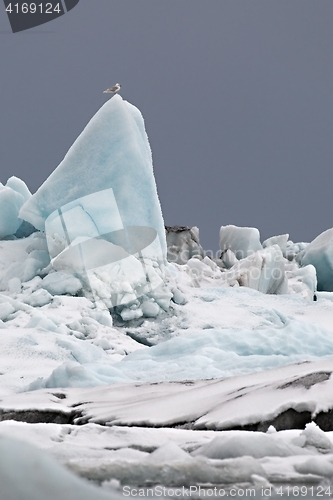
[38,416]
[325,420]
[141,339]
[176,229]
[308,380]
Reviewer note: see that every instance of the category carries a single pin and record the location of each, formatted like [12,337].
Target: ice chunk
[10,204]
[169,452]
[12,197]
[280,240]
[178,297]
[6,309]
[28,473]
[61,284]
[319,253]
[38,298]
[228,258]
[263,271]
[302,280]
[102,317]
[316,437]
[100,209]
[31,268]
[72,374]
[150,309]
[129,314]
[256,445]
[19,186]
[243,241]
[317,466]
[14,285]
[42,322]
[112,152]
[182,473]
[21,266]
[294,251]
[183,243]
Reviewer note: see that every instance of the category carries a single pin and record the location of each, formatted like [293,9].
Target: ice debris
[12,196]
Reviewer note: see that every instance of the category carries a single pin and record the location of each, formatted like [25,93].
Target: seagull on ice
[113,90]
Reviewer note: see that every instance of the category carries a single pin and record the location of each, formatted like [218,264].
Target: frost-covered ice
[212,353]
[122,456]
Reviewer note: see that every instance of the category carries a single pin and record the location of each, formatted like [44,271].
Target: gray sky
[237,98]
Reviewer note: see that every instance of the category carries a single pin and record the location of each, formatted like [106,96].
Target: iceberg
[263,270]
[12,197]
[280,240]
[183,244]
[302,280]
[101,213]
[319,253]
[242,241]
[29,473]
[112,152]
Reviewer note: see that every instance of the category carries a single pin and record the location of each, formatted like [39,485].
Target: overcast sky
[237,98]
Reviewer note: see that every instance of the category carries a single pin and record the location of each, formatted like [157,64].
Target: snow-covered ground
[119,412]
[210,373]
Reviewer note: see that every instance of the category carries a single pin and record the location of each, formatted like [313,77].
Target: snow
[121,456]
[39,298]
[318,466]
[257,445]
[59,283]
[314,436]
[218,331]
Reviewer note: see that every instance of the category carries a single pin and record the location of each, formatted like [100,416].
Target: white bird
[113,90]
